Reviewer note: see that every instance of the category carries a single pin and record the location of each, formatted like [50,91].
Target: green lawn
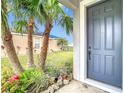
[56,59]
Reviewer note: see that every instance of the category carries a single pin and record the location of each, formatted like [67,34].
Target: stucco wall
[76,43]
[20,41]
[53,45]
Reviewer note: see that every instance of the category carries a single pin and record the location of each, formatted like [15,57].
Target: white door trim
[83,50]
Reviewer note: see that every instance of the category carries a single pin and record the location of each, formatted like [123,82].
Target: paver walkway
[77,87]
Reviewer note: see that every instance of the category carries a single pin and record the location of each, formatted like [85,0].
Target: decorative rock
[55,86]
[60,78]
[65,82]
[59,82]
[65,76]
[51,80]
[51,89]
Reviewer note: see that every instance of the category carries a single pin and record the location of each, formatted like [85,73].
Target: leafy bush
[40,82]
[6,70]
[52,71]
[12,85]
[59,62]
[29,81]
[55,71]
[6,74]
[69,67]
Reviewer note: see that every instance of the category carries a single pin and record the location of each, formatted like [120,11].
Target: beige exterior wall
[20,43]
[53,45]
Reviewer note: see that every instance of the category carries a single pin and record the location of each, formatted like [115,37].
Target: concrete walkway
[77,87]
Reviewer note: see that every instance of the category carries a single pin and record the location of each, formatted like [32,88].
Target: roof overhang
[73,4]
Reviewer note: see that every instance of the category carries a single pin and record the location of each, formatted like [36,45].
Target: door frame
[83,50]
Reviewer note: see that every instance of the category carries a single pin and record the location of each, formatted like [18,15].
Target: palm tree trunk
[45,43]
[30,43]
[10,50]
[8,42]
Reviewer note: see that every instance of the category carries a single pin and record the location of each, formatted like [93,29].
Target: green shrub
[29,81]
[6,70]
[6,74]
[56,70]
[52,71]
[40,83]
[68,67]
[59,62]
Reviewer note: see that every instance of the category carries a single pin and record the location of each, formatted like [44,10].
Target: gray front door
[104,32]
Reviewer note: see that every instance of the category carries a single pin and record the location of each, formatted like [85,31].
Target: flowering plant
[14,78]
[12,84]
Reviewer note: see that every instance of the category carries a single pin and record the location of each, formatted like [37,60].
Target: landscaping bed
[58,73]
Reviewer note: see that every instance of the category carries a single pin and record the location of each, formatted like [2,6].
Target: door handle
[89,53]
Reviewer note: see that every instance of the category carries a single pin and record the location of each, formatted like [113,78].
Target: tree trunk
[10,50]
[45,43]
[8,42]
[30,42]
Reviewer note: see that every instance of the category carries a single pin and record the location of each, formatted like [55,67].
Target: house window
[37,43]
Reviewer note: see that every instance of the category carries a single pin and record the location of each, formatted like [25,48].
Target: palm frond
[20,26]
[67,23]
[51,9]
[4,16]
[23,9]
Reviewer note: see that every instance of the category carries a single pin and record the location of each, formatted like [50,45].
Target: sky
[56,30]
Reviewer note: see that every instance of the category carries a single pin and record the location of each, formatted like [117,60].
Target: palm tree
[26,9]
[30,42]
[8,42]
[51,12]
[62,42]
